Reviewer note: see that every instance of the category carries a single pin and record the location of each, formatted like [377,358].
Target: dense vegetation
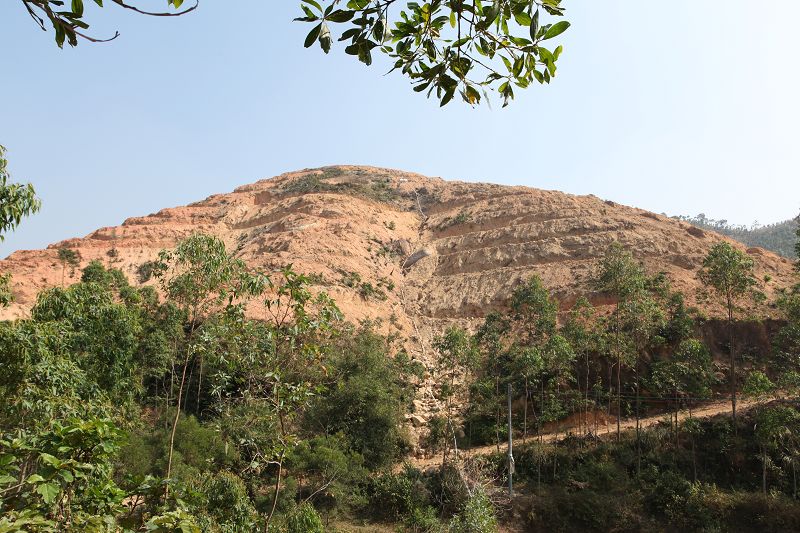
[778,237]
[123,410]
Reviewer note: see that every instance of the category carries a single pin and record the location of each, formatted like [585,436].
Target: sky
[681,107]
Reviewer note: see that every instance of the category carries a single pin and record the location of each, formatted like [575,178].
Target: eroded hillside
[412,252]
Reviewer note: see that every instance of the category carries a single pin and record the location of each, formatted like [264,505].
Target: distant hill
[780,237]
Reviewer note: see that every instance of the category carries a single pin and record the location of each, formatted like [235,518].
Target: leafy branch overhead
[69,24]
[447,46]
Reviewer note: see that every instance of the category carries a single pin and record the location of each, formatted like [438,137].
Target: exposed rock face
[433,252]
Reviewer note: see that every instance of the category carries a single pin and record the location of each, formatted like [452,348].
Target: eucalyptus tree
[491,341]
[624,279]
[776,428]
[68,258]
[456,361]
[728,272]
[202,279]
[533,322]
[581,330]
[265,373]
[444,47]
[786,344]
[685,377]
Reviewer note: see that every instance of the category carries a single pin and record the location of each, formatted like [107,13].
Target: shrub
[304,519]
[397,496]
[228,503]
[477,515]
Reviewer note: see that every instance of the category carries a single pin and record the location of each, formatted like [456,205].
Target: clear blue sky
[679,107]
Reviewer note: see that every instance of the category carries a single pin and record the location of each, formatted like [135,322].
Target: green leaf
[314,3]
[313,35]
[535,25]
[49,492]
[556,29]
[340,16]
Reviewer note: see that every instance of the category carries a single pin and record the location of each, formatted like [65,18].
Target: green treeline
[778,237]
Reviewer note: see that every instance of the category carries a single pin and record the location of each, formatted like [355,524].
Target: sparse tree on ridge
[68,258]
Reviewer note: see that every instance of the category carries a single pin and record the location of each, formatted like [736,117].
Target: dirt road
[704,411]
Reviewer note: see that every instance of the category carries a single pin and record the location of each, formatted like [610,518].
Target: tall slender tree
[624,279]
[728,272]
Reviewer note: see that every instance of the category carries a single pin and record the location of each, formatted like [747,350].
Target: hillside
[780,237]
[286,420]
[413,252]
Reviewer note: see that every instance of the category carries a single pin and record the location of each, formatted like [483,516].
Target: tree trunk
[277,489]
[497,412]
[525,414]
[175,422]
[586,396]
[638,427]
[733,364]
[178,403]
[199,383]
[619,394]
[764,470]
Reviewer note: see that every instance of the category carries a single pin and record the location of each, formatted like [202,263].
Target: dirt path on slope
[704,411]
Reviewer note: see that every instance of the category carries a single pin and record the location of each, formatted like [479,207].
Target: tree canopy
[444,47]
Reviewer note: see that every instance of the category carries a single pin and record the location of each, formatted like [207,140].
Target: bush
[304,519]
[477,515]
[366,402]
[397,496]
[228,503]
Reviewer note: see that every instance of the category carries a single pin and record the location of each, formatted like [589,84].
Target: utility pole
[510,449]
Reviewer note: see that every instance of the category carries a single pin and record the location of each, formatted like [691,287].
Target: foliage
[757,386]
[365,399]
[69,24]
[379,189]
[304,519]
[16,200]
[61,475]
[477,516]
[729,272]
[395,496]
[448,46]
